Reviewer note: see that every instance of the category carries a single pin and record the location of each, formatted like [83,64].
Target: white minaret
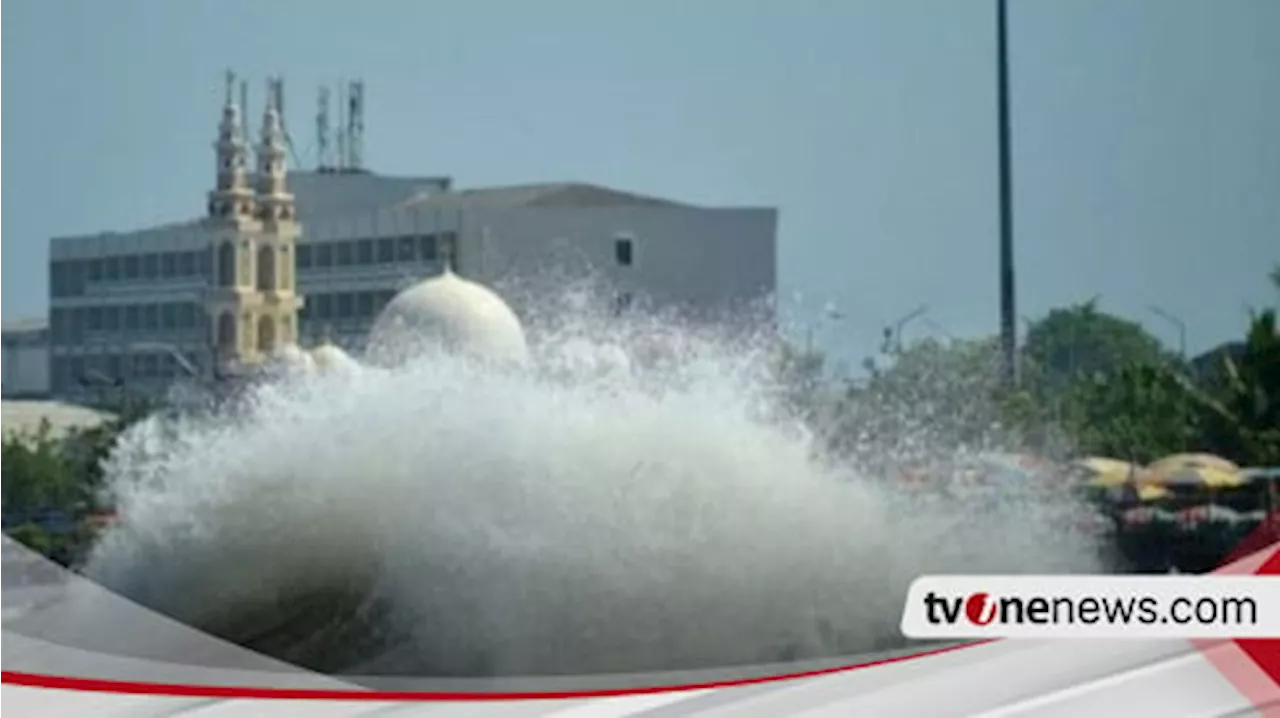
[277,320]
[231,198]
[232,226]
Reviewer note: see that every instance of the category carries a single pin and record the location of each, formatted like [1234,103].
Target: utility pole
[1008,303]
[1178,324]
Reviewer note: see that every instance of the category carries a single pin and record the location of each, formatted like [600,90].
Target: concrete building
[302,256]
[26,358]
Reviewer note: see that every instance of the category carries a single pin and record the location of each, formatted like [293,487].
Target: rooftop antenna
[244,107]
[342,128]
[277,99]
[355,124]
[322,129]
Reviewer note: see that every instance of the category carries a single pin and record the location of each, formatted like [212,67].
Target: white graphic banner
[1142,607]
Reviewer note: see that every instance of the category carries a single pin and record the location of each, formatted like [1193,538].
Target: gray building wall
[119,301]
[26,359]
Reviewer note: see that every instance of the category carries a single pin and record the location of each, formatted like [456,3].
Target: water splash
[625,506]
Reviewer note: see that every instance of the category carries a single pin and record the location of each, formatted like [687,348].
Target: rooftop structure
[144,306]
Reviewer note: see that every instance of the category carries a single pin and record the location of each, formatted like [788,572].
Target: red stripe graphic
[36,680]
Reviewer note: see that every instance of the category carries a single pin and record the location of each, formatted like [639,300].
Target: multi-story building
[26,358]
[283,258]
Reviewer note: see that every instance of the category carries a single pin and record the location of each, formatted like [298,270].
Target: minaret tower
[277,317]
[232,225]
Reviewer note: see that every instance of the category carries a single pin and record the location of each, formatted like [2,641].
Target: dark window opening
[386,250]
[344,254]
[408,249]
[622,252]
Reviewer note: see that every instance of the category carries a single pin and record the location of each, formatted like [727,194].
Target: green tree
[1239,398]
[1081,341]
[1139,413]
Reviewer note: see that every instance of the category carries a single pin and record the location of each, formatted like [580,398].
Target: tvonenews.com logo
[1093,606]
[983,609]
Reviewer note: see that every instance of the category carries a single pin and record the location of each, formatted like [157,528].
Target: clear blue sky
[1146,132]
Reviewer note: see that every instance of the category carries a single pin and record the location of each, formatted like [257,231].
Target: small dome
[327,358]
[290,355]
[454,314]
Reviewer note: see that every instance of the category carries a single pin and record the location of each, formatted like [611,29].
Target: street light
[893,335]
[1008,304]
[829,312]
[1177,323]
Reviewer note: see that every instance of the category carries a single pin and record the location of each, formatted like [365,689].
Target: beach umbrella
[1152,492]
[1192,477]
[1178,462]
[1104,473]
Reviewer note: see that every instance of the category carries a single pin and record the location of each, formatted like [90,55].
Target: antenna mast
[342,128]
[355,125]
[322,129]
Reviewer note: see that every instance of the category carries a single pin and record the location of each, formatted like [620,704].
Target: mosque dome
[328,358]
[290,357]
[452,313]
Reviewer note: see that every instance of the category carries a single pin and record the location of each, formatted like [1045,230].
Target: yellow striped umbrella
[1193,476]
[1106,473]
[1178,462]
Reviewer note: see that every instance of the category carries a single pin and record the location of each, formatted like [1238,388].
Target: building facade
[26,358]
[295,257]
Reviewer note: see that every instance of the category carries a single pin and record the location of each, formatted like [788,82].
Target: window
[76,326]
[364,251]
[186,264]
[111,319]
[93,272]
[93,319]
[150,316]
[186,315]
[344,253]
[408,249]
[77,368]
[56,274]
[304,256]
[169,315]
[386,250]
[150,266]
[168,264]
[204,262]
[345,305]
[324,255]
[364,304]
[111,269]
[324,306]
[58,325]
[132,317]
[427,247]
[227,265]
[132,266]
[266,269]
[622,251]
